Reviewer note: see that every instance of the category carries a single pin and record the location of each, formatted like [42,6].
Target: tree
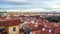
[53,19]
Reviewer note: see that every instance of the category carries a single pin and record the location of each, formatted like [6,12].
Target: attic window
[14,28]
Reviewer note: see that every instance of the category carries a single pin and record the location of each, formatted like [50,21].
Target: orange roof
[3,18]
[10,22]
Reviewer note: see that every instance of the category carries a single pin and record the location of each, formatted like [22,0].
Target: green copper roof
[4,12]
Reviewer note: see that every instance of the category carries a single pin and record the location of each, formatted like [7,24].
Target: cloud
[33,5]
[29,10]
[35,9]
[53,6]
[17,0]
[15,7]
[13,3]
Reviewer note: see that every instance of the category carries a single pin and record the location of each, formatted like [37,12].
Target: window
[14,29]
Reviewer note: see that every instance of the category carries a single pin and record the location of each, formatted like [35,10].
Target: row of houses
[43,27]
[28,25]
[28,14]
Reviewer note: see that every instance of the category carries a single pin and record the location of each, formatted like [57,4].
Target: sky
[30,5]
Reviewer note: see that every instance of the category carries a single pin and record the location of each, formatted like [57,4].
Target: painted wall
[10,30]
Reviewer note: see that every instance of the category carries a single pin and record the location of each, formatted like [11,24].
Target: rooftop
[12,22]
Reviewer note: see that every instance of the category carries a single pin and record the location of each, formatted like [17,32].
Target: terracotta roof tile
[10,22]
[3,18]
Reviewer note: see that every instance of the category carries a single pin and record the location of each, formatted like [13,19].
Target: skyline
[30,5]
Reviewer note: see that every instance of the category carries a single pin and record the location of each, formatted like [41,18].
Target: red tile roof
[3,18]
[10,22]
